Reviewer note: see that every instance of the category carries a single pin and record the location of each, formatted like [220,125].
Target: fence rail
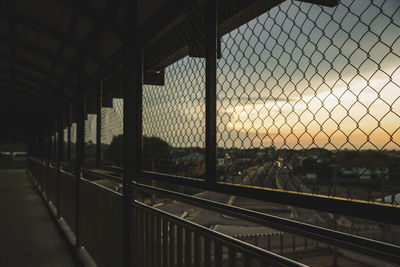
[291,102]
[161,239]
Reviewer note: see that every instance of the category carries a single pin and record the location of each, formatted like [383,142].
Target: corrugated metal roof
[244,231]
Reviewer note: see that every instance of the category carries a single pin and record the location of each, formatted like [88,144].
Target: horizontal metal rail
[239,245]
[103,188]
[380,250]
[373,211]
[99,174]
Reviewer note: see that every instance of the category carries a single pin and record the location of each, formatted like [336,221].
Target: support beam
[60,155]
[38,68]
[57,58]
[132,138]
[11,32]
[84,9]
[54,132]
[108,13]
[80,139]
[22,88]
[69,122]
[98,124]
[31,48]
[211,39]
[49,31]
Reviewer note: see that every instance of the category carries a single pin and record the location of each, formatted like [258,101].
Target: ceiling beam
[11,31]
[84,9]
[107,14]
[5,92]
[26,87]
[34,49]
[22,87]
[72,24]
[50,32]
[36,67]
[23,75]
[38,101]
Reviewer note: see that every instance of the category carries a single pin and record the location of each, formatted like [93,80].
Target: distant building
[365,167]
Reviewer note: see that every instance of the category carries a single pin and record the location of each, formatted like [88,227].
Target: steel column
[80,139]
[60,155]
[132,138]
[69,121]
[99,95]
[211,83]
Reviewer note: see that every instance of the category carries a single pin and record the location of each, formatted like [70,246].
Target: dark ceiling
[49,48]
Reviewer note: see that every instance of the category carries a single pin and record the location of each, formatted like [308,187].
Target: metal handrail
[234,243]
[374,211]
[381,250]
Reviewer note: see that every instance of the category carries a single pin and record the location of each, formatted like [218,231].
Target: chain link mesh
[73,141]
[65,144]
[173,120]
[309,100]
[90,138]
[111,132]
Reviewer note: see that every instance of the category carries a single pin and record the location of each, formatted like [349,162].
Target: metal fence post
[132,135]
[98,124]
[211,83]
[80,138]
[69,112]
[60,155]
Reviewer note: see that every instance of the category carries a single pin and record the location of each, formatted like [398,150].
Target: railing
[166,240]
[306,108]
[160,238]
[67,198]
[309,232]
[352,242]
[52,185]
[101,223]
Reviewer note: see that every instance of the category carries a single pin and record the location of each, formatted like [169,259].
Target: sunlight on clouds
[328,116]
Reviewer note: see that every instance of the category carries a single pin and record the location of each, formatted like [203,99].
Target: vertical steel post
[211,83]
[55,140]
[60,155]
[69,120]
[98,124]
[80,139]
[51,154]
[132,138]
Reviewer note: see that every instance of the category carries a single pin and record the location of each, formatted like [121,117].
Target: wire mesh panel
[309,100]
[173,120]
[53,151]
[112,132]
[90,138]
[73,142]
[65,144]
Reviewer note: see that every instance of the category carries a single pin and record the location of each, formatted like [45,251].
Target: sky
[298,76]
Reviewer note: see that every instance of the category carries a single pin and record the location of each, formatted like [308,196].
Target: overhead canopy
[49,48]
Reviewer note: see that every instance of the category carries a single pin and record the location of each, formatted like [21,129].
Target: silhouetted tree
[156,154]
[113,153]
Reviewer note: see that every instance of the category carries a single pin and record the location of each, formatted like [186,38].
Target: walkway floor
[28,236]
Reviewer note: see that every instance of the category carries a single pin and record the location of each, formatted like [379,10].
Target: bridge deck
[28,236]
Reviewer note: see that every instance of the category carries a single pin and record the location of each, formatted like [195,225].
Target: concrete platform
[28,236]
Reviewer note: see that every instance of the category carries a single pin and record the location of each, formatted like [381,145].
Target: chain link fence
[309,100]
[73,142]
[112,132]
[90,138]
[174,120]
[65,144]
